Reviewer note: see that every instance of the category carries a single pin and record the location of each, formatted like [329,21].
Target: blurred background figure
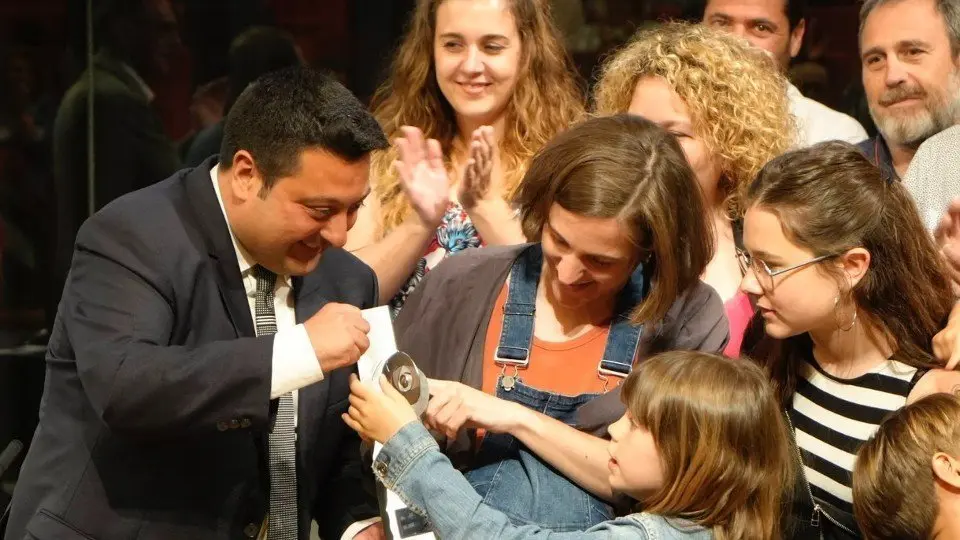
[134,40]
[255,52]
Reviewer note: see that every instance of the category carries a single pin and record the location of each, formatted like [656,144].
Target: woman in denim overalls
[622,237]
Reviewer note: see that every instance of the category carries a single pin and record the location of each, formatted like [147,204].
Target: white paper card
[402,523]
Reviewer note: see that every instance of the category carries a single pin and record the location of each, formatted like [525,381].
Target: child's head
[703,439]
[909,470]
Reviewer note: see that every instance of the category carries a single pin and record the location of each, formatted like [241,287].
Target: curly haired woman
[729,111]
[477,87]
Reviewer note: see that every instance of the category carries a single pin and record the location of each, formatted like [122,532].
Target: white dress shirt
[819,123]
[295,365]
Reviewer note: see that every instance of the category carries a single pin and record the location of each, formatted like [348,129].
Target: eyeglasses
[763,272]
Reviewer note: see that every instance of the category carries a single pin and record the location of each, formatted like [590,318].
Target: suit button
[244,422]
[234,424]
[222,426]
[251,530]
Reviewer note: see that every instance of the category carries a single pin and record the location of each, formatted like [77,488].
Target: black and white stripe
[833,417]
[283,523]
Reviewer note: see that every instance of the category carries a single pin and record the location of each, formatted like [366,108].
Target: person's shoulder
[150,211]
[944,143]
[821,123]
[700,299]
[936,381]
[477,260]
[343,263]
[657,526]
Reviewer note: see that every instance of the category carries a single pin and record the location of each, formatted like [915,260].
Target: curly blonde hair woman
[727,107]
[484,84]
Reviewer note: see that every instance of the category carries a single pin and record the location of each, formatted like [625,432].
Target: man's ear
[796,37]
[246,181]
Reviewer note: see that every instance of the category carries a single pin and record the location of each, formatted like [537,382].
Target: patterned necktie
[283,457]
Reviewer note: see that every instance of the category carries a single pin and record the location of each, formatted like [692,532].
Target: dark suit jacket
[131,151]
[156,410]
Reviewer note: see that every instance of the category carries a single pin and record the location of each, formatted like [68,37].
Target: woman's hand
[454,405]
[423,175]
[476,186]
[374,415]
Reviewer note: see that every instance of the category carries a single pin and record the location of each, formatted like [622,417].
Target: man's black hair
[795,10]
[288,111]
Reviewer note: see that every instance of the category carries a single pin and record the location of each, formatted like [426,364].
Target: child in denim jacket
[703,448]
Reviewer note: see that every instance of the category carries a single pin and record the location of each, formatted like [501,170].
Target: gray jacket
[443,326]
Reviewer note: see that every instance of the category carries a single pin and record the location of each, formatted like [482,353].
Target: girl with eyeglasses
[850,291]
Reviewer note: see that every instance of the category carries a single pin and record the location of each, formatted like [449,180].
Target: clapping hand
[476,185]
[423,175]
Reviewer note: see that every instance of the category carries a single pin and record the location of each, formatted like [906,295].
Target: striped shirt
[833,417]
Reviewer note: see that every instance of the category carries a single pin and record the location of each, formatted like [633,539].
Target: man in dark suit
[199,362]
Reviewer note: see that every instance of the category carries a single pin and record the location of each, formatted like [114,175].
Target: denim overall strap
[624,336]
[516,334]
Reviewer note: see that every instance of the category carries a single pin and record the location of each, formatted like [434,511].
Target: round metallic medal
[404,376]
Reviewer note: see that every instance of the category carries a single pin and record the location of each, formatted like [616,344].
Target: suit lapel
[216,236]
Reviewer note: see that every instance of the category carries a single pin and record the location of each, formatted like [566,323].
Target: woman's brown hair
[722,442]
[628,168]
[546,100]
[829,199]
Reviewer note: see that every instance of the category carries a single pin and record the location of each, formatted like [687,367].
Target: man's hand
[423,175]
[454,405]
[338,334]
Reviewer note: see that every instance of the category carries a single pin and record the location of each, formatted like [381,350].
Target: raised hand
[338,334]
[423,175]
[476,185]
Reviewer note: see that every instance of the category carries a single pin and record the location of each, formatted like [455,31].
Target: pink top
[739,311]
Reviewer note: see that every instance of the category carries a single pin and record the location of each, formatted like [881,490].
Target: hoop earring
[836,312]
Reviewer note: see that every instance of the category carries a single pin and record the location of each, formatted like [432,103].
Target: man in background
[777,27]
[910,55]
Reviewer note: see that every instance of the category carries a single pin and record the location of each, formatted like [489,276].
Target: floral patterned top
[455,233]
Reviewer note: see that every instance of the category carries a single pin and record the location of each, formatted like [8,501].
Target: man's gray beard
[912,131]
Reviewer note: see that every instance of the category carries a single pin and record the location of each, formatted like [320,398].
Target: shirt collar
[244,259]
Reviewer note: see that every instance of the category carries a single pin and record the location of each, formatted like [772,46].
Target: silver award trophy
[400,522]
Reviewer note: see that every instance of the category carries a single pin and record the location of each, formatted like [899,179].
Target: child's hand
[374,415]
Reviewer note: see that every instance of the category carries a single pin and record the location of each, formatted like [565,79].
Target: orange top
[568,367]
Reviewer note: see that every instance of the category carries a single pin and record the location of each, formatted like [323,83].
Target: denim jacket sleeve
[411,465]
